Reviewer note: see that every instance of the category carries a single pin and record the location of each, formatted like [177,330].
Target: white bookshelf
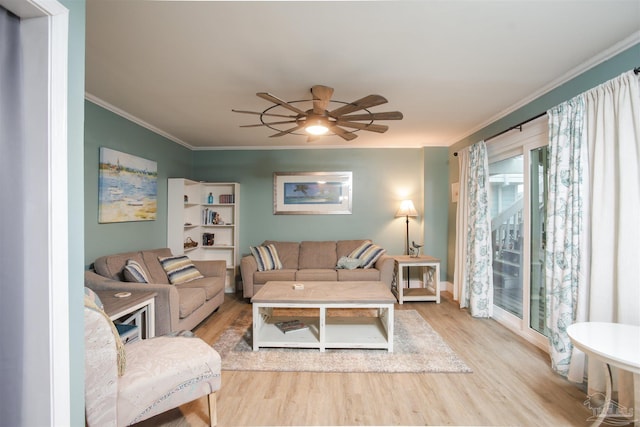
[190,215]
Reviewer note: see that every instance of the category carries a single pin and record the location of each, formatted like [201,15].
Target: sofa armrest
[167,303]
[211,268]
[386,264]
[248,266]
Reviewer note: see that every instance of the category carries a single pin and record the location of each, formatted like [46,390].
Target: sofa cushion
[345,247]
[212,285]
[368,253]
[359,274]
[111,266]
[266,257]
[288,252]
[190,300]
[156,272]
[179,269]
[317,255]
[134,272]
[317,274]
[262,277]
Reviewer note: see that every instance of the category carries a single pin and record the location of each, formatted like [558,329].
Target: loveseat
[178,307]
[313,261]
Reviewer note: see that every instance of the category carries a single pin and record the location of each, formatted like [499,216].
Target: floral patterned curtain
[473,275]
[565,267]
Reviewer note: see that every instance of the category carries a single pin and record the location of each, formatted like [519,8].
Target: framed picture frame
[127,187]
[312,193]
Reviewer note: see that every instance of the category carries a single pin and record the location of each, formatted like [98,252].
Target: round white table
[616,345]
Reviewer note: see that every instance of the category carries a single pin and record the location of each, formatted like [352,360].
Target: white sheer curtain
[473,272]
[613,134]
[609,290]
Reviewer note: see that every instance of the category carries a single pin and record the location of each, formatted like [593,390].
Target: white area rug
[417,348]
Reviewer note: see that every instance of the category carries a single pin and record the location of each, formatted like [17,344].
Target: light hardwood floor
[511,384]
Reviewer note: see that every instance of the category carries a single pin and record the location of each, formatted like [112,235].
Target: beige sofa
[312,261]
[178,307]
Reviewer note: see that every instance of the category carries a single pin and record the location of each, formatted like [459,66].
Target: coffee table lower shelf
[325,332]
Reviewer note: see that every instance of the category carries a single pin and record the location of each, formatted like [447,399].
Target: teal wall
[106,129]
[436,202]
[613,67]
[381,179]
[75,150]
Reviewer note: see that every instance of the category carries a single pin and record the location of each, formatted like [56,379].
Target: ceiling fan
[320,120]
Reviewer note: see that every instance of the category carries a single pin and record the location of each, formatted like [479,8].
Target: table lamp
[407,210]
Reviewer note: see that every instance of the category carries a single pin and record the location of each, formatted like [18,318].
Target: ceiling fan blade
[363,126]
[286,132]
[321,97]
[313,138]
[388,115]
[268,124]
[346,135]
[280,102]
[362,103]
[264,114]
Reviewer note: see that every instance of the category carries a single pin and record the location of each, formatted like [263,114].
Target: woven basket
[190,243]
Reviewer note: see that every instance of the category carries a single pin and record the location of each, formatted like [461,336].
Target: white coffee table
[324,332]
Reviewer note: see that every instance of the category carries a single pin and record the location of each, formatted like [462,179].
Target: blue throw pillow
[348,263]
[133,272]
[266,257]
[368,254]
[179,269]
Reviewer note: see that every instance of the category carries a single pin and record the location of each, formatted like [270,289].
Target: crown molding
[102,103]
[598,59]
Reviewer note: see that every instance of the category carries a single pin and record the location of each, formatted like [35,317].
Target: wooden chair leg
[213,414]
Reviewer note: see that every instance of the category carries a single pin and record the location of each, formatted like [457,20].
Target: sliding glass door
[518,189]
[506,193]
[537,291]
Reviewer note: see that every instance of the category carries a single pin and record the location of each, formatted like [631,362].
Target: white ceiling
[451,67]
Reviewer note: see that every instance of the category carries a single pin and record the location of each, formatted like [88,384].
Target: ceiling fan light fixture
[316,126]
[321,119]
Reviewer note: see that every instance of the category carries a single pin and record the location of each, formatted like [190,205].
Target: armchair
[159,374]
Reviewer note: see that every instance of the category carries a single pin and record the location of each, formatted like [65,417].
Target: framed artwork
[127,187]
[312,193]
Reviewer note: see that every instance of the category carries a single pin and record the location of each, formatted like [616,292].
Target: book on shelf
[291,326]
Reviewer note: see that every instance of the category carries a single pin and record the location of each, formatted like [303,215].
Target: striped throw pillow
[266,257]
[133,272]
[179,269]
[368,253]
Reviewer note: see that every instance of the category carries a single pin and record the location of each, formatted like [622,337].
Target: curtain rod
[518,126]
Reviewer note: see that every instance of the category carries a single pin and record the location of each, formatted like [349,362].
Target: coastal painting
[127,187]
[312,193]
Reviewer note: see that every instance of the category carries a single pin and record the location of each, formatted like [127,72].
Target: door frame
[44,29]
[531,136]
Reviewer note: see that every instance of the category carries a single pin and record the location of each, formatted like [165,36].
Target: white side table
[139,308]
[616,345]
[430,278]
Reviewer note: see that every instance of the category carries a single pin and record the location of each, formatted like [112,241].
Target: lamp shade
[407,209]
